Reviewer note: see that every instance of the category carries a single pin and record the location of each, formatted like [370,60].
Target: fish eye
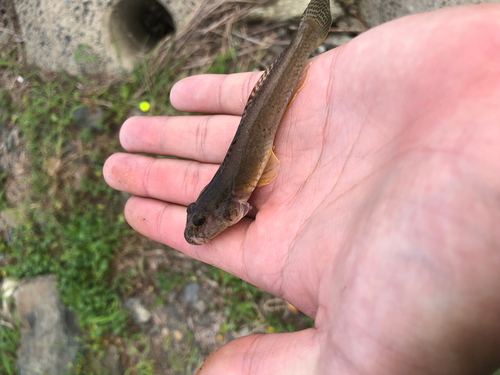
[199,220]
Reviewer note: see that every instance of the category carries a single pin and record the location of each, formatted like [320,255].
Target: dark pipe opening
[138,25]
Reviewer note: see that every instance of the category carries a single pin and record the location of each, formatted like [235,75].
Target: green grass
[3,203]
[240,298]
[184,363]
[8,348]
[72,232]
[242,306]
[167,282]
[145,366]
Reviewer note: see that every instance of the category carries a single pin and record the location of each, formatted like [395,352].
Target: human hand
[383,223]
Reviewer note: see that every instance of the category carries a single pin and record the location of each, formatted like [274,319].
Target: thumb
[277,353]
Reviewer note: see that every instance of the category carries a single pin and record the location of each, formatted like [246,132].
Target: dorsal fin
[261,80]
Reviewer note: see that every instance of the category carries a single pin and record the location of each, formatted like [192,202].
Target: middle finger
[202,138]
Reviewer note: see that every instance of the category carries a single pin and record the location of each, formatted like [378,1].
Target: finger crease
[159,231]
[147,177]
[192,175]
[162,138]
[201,139]
[223,80]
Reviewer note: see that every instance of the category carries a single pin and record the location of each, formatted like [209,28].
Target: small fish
[250,161]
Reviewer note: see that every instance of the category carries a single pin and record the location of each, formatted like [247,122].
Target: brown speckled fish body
[223,202]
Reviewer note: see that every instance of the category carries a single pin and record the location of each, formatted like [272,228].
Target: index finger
[214,93]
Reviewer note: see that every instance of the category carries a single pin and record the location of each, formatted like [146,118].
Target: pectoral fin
[271,170]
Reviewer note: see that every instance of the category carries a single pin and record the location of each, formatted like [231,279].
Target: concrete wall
[96,36]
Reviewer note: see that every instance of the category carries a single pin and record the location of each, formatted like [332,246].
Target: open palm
[383,223]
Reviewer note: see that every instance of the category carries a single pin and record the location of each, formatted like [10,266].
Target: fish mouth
[196,240]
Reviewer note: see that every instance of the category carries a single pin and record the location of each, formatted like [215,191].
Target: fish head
[204,224]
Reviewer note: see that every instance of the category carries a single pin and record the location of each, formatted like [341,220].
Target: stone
[140,314]
[245,331]
[201,306]
[49,332]
[191,290]
[86,117]
[111,361]
[178,335]
[11,138]
[376,12]
[9,141]
[11,218]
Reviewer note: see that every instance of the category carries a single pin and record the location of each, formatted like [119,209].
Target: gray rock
[111,361]
[173,313]
[154,330]
[49,333]
[11,218]
[140,314]
[201,306]
[376,12]
[9,141]
[86,117]
[12,139]
[191,290]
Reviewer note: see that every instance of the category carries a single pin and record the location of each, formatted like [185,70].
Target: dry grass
[10,43]
[9,24]
[211,31]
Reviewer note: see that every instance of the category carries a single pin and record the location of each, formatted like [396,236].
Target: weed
[72,233]
[242,302]
[225,63]
[79,249]
[239,298]
[9,338]
[167,282]
[144,366]
[186,362]
[3,177]
[80,55]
